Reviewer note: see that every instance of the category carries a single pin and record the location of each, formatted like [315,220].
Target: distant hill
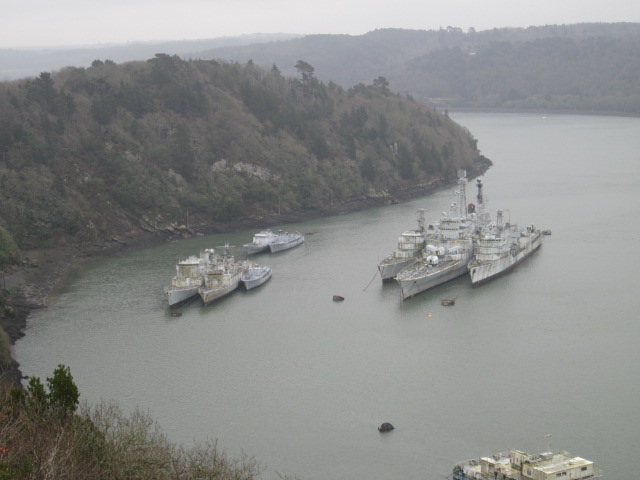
[90,154]
[22,63]
[583,67]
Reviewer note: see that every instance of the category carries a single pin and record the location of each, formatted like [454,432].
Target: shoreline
[42,270]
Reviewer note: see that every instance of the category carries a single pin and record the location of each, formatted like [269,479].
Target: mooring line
[374,277]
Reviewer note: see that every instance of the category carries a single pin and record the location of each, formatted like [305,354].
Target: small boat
[176,314]
[338,298]
[447,302]
[255,276]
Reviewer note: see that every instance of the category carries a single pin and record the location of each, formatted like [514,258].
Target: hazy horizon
[76,23]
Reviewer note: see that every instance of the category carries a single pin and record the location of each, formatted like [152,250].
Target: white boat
[189,276]
[500,247]
[517,465]
[260,243]
[255,276]
[222,278]
[410,245]
[448,250]
[285,241]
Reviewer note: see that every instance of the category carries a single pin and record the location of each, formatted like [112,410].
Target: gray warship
[222,278]
[189,276]
[448,251]
[260,242]
[255,276]
[500,247]
[285,241]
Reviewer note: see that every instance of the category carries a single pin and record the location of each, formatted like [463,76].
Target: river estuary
[300,382]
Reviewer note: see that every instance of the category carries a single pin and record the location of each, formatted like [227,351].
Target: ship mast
[421,221]
[462,193]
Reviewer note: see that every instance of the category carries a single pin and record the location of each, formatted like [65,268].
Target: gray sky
[50,23]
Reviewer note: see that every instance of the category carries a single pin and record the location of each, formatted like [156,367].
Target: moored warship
[285,241]
[189,276]
[222,278]
[255,276]
[517,465]
[410,245]
[448,249]
[260,242]
[500,247]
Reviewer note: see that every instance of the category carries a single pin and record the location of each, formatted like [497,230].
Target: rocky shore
[29,285]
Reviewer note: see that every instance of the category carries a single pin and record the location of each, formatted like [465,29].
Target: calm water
[302,383]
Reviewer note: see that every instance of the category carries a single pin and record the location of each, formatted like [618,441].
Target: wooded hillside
[89,153]
[582,67]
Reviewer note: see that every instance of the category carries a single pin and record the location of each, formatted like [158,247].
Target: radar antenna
[421,221]
[548,437]
[226,247]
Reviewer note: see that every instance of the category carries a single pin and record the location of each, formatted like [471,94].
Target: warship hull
[388,270]
[415,284]
[483,271]
[253,249]
[294,241]
[178,296]
[260,243]
[210,295]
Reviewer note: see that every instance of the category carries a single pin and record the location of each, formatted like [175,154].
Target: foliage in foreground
[42,436]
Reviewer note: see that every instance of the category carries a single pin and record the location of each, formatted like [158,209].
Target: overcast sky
[50,23]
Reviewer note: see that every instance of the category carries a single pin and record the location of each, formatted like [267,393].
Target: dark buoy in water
[385,427]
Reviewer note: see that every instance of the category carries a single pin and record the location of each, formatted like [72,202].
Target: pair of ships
[464,241]
[213,276]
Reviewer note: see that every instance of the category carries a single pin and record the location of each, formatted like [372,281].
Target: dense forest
[87,154]
[582,67]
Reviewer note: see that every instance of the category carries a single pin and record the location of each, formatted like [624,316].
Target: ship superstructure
[260,242]
[222,278]
[517,465]
[189,276]
[409,250]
